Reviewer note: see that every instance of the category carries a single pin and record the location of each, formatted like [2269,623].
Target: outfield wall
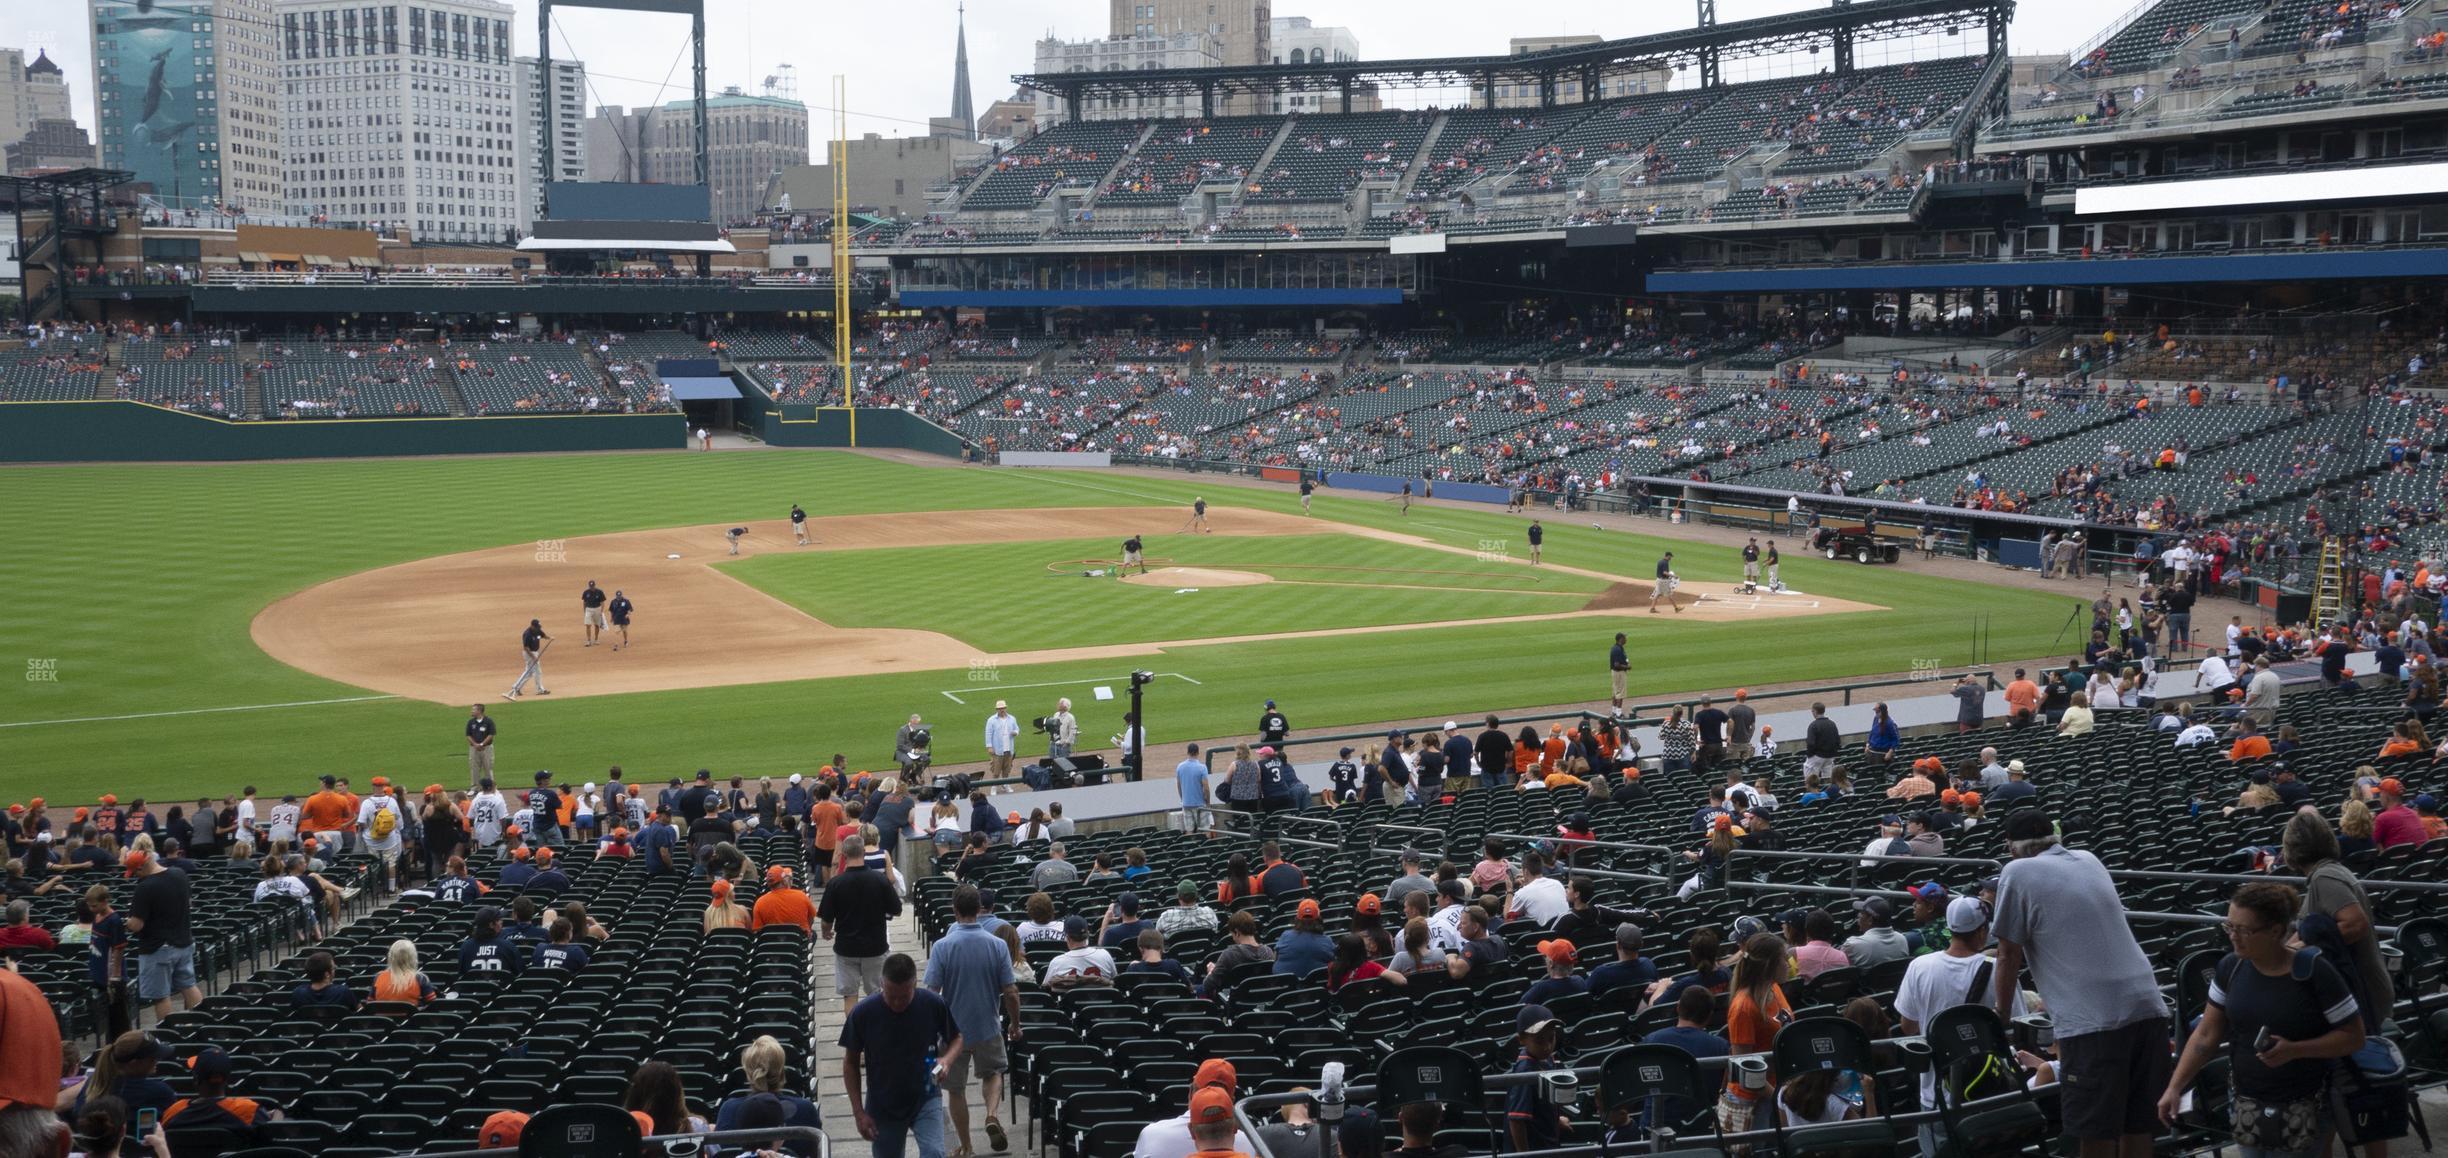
[137,432]
[869,426]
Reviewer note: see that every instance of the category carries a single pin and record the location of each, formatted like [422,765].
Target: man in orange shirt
[782,903]
[2250,744]
[328,815]
[825,819]
[2022,700]
[212,1107]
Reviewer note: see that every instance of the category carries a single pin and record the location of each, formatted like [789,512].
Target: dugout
[707,397]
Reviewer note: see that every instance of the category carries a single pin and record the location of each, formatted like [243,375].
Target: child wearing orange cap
[1563,973]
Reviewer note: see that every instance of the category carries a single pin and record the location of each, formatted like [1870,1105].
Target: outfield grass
[1322,581]
[140,581]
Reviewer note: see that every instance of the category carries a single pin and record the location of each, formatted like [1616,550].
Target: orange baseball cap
[1209,1105]
[776,875]
[1369,903]
[1950,796]
[645,1123]
[1012,817]
[29,1067]
[1309,910]
[16,810]
[544,854]
[633,790]
[81,814]
[620,834]
[1558,949]
[1722,822]
[1742,693]
[2392,787]
[382,782]
[135,858]
[1215,1071]
[499,1132]
[510,830]
[519,853]
[37,802]
[1971,799]
[434,790]
[721,888]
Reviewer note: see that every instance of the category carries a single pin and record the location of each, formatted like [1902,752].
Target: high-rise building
[1297,41]
[616,142]
[1620,81]
[567,107]
[1010,119]
[402,114]
[189,98]
[60,144]
[1181,50]
[29,93]
[1242,29]
[750,140]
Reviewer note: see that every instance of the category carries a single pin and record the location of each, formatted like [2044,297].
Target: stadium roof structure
[642,236]
[1838,26]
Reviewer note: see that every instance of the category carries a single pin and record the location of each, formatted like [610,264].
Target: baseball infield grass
[124,637]
[1319,581]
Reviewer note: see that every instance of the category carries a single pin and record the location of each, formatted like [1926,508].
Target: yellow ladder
[2329,600]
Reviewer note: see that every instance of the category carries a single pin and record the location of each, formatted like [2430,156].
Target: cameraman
[1132,739]
[913,736]
[1061,729]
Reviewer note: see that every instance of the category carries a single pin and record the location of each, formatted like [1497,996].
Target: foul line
[196,711]
[1125,678]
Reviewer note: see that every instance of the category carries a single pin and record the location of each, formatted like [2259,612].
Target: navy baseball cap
[542,776]
[1075,927]
[1127,904]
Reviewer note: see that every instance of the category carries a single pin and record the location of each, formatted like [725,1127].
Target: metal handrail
[823,1141]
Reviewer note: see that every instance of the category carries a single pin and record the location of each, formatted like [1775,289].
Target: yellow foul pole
[841,246]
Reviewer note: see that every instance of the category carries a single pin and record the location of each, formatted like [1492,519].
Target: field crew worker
[1538,538]
[591,612]
[480,730]
[1272,727]
[1130,555]
[1751,561]
[799,524]
[1002,738]
[1307,487]
[621,608]
[1619,667]
[531,644]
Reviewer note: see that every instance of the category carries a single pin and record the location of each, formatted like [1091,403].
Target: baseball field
[176,631]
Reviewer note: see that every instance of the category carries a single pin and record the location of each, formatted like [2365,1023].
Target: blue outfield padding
[1392,485]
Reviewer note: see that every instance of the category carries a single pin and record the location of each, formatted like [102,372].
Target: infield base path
[446,628]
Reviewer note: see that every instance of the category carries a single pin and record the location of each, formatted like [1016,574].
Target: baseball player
[1664,588]
[1130,555]
[532,643]
[620,609]
[1308,486]
[591,612]
[733,535]
[799,524]
[1774,583]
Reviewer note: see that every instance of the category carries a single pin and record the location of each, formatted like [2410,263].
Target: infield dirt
[446,628]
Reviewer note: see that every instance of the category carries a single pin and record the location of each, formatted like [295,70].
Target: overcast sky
[897,56]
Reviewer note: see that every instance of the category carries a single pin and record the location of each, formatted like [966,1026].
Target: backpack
[2366,1107]
[385,822]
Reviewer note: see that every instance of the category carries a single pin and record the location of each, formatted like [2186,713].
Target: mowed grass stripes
[134,586]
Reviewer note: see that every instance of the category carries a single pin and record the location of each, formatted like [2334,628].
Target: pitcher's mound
[1197,577]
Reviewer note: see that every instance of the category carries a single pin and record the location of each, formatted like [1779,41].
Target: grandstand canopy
[1838,25]
[701,389]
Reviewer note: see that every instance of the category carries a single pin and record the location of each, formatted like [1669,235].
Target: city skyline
[635,59]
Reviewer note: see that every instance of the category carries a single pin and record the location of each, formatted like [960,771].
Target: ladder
[2329,600]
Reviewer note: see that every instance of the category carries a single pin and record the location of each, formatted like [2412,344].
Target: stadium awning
[567,244]
[282,257]
[252,256]
[701,389]
[319,259]
[365,262]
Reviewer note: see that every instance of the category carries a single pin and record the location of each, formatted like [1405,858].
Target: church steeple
[964,113]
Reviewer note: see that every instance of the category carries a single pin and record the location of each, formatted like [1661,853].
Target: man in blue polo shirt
[1191,775]
[971,968]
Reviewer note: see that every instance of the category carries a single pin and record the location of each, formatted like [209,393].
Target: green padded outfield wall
[877,426]
[136,432]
